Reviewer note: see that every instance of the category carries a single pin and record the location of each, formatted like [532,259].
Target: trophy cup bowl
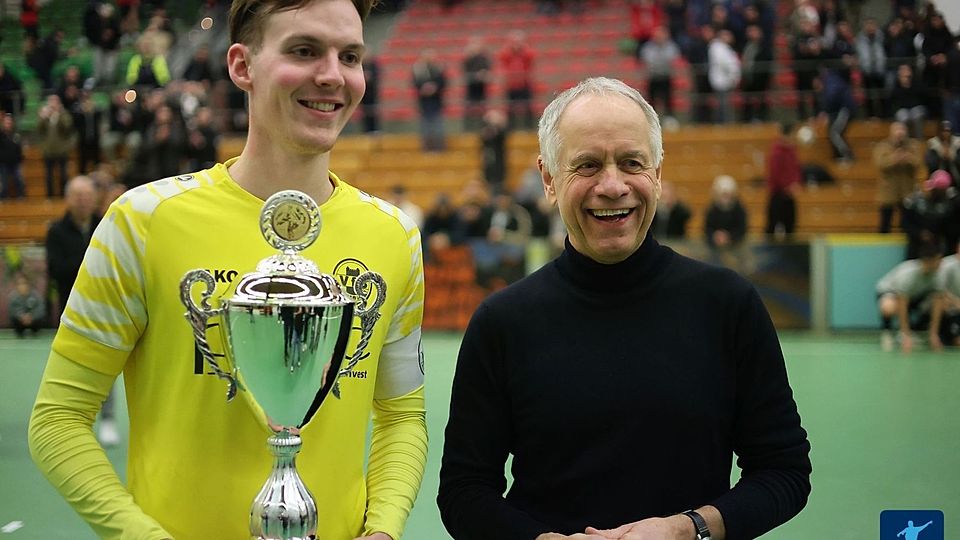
[286,329]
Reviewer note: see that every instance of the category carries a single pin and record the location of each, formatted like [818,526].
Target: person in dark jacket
[68,237]
[672,215]
[631,434]
[430,82]
[12,99]
[11,158]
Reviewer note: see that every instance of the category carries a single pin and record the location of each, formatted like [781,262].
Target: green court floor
[885,430]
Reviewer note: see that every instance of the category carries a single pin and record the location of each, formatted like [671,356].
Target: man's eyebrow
[634,154]
[314,41]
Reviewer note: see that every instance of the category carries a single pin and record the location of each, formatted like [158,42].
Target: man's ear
[238,66]
[659,183]
[548,188]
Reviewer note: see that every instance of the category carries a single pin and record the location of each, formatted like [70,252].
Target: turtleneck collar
[643,267]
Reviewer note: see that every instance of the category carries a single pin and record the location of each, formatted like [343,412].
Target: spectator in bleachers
[68,238]
[676,14]
[370,103]
[129,16]
[199,68]
[430,82]
[784,177]
[943,153]
[830,16]
[441,226]
[720,21]
[760,14]
[808,54]
[493,148]
[698,57]
[906,292]
[123,129]
[42,54]
[898,158]
[106,48]
[30,18]
[91,22]
[908,100]
[88,122]
[843,53]
[185,96]
[12,99]
[804,18]
[25,307]
[162,149]
[931,212]
[725,225]
[69,88]
[899,46]
[757,69]
[159,30]
[102,30]
[11,159]
[837,107]
[672,215]
[501,259]
[531,197]
[203,141]
[147,68]
[516,61]
[937,41]
[476,75]
[951,88]
[872,61]
[658,55]
[645,16]
[55,131]
[398,197]
[724,73]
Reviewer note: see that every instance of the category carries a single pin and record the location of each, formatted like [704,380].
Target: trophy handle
[364,286]
[197,316]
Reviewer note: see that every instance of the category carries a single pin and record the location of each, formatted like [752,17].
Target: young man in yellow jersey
[195,462]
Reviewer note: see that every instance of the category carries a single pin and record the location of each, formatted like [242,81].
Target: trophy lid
[290,222]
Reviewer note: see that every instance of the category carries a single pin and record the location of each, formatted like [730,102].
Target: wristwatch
[703,532]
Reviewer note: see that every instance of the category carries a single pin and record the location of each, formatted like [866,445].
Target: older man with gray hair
[622,377]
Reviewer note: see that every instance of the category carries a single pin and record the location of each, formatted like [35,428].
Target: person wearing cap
[932,211]
[621,376]
[907,292]
[943,152]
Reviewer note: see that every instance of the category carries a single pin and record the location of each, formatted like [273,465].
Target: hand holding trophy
[286,330]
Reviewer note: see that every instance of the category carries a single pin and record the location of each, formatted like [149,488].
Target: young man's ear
[548,188]
[238,66]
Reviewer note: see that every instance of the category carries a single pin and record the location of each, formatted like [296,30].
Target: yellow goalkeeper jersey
[195,461]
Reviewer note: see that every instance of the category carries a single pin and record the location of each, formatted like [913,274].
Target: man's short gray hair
[549,133]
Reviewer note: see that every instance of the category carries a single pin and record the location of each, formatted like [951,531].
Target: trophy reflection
[286,330]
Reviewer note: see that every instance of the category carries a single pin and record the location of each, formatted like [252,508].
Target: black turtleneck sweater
[622,392]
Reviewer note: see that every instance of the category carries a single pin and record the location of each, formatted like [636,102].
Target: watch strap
[700,524]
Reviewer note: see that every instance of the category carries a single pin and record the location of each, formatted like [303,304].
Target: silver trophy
[286,330]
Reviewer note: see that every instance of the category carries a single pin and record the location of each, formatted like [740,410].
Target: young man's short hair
[247,16]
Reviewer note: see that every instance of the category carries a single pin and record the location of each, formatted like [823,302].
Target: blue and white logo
[911,525]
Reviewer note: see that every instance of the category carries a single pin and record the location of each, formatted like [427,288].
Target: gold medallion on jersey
[290,220]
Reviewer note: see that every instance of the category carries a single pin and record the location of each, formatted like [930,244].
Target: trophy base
[284,509]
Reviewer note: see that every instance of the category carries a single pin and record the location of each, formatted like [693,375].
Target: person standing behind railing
[11,158]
